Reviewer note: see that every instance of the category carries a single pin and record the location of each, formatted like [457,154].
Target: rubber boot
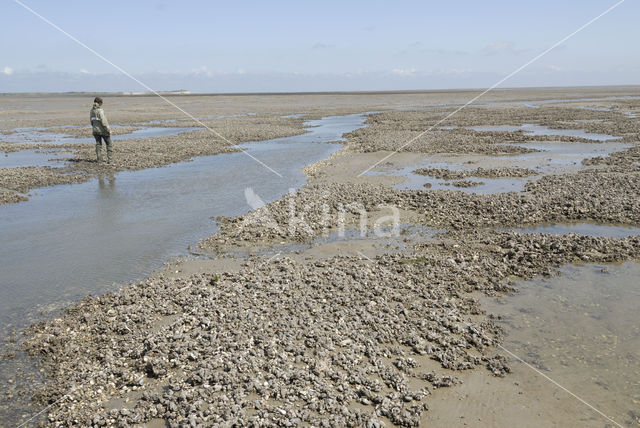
[107,140]
[99,152]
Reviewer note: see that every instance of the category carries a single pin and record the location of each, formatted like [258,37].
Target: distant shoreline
[183,92]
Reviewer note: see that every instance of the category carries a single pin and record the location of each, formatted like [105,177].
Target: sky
[293,46]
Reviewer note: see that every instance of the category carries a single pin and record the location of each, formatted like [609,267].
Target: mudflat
[359,299]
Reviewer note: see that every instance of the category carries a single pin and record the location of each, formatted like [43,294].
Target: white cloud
[553,67]
[322,46]
[458,71]
[439,72]
[497,47]
[403,71]
[8,71]
[202,71]
[84,71]
[503,47]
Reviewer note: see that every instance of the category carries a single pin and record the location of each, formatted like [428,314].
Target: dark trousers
[107,141]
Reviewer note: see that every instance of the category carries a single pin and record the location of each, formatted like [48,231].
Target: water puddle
[629,114]
[188,119]
[589,229]
[541,130]
[537,104]
[52,158]
[370,241]
[550,157]
[529,104]
[421,182]
[581,330]
[43,136]
[377,234]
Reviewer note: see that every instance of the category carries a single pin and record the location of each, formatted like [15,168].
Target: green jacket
[99,121]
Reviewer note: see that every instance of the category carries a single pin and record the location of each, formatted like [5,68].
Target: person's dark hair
[97,100]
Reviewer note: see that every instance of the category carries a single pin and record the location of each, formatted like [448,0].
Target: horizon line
[186,92]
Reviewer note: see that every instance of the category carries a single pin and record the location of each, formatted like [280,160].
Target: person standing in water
[101,130]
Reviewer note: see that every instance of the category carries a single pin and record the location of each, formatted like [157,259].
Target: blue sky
[248,46]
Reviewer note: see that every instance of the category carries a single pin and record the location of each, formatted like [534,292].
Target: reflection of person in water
[100,128]
[108,206]
[104,188]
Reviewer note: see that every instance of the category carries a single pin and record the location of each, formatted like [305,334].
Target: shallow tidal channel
[70,241]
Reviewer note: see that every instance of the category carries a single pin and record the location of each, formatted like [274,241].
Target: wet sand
[369,330]
[580,329]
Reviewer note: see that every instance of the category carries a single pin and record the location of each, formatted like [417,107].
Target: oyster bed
[295,339]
